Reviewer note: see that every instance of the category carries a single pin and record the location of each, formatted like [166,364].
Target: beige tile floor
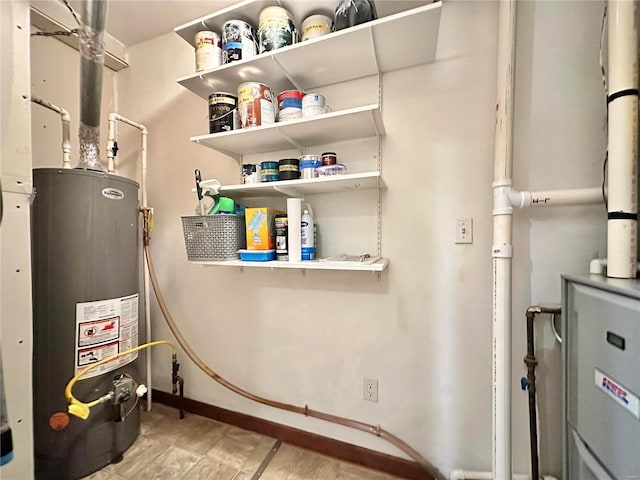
[199,448]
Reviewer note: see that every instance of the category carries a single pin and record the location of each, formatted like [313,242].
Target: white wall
[424,328]
[15,252]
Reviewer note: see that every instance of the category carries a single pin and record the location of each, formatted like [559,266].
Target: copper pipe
[373,429]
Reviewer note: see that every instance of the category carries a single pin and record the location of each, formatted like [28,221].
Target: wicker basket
[214,237]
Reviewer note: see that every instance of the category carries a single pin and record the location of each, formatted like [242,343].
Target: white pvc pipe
[66,129]
[622,227]
[473,475]
[113,117]
[502,250]
[553,198]
[598,266]
[111,141]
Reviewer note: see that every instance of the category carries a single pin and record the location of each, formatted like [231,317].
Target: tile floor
[199,448]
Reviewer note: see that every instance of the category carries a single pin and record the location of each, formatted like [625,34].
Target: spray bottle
[307,236]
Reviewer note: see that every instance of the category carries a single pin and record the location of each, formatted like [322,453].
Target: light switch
[464,230]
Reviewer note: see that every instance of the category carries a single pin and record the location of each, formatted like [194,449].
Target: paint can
[308,166]
[315,26]
[208,50]
[238,41]
[282,240]
[314,104]
[289,169]
[290,105]
[250,173]
[329,158]
[275,29]
[255,104]
[223,112]
[269,172]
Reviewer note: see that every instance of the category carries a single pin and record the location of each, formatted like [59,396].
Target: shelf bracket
[292,141]
[289,192]
[286,73]
[235,156]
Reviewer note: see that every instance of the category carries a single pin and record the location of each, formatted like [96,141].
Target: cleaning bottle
[307,236]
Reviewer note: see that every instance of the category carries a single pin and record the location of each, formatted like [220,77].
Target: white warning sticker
[103,329]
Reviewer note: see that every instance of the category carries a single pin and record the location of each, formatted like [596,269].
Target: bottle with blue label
[307,238]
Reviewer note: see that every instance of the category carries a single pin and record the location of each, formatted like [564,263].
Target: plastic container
[329,158]
[269,172]
[328,170]
[308,236]
[288,169]
[257,255]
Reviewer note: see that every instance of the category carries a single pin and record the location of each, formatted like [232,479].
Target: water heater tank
[86,307]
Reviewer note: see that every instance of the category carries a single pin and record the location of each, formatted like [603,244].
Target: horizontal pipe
[553,198]
[66,128]
[598,266]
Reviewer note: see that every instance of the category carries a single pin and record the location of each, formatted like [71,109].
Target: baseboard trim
[310,441]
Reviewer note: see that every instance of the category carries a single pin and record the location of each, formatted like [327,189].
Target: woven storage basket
[214,237]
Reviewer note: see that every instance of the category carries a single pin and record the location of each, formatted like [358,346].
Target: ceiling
[135,21]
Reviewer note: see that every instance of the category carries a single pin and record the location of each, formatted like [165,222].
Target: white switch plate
[464,230]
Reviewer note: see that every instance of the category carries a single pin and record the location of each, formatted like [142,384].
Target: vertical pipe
[622,226]
[94,13]
[531,362]
[147,304]
[502,250]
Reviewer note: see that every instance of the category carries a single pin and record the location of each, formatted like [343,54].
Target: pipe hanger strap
[622,93]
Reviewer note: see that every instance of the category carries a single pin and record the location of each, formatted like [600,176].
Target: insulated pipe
[622,226]
[113,118]
[66,129]
[94,13]
[502,249]
[553,198]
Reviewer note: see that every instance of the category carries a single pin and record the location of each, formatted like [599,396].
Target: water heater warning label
[103,329]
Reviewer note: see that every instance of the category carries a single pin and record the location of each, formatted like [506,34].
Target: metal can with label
[223,112]
[255,104]
[238,41]
[208,50]
[276,29]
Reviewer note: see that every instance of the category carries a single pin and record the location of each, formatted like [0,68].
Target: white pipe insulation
[622,226]
[113,118]
[502,249]
[66,128]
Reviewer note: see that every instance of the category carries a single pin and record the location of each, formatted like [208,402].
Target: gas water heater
[86,307]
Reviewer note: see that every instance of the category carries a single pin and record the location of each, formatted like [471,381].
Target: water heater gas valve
[123,389]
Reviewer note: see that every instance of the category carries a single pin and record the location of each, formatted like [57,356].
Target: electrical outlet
[370,389]
[464,230]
